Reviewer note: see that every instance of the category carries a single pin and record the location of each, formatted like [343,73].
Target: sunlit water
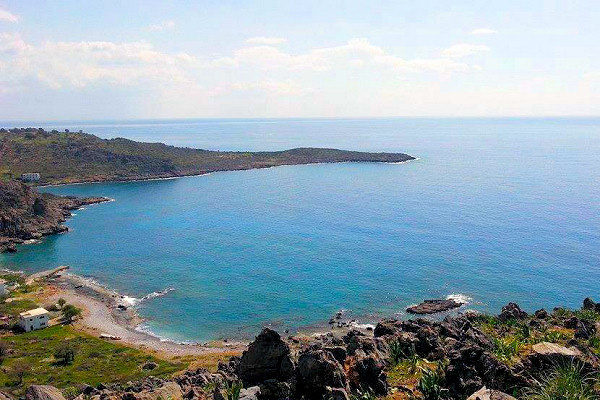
[494,209]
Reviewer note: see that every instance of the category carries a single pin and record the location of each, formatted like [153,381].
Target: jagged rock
[268,357]
[169,390]
[252,393]
[4,396]
[487,394]
[43,392]
[589,304]
[545,356]
[387,327]
[584,330]
[541,314]
[272,389]
[461,329]
[471,367]
[434,306]
[512,311]
[336,394]
[316,370]
[366,372]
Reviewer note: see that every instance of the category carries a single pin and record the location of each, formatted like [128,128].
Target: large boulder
[512,311]
[4,396]
[43,392]
[366,372]
[268,357]
[251,393]
[317,370]
[169,390]
[387,327]
[488,394]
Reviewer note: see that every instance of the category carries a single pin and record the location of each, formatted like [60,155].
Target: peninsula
[73,157]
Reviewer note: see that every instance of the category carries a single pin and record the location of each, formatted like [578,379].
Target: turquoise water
[494,209]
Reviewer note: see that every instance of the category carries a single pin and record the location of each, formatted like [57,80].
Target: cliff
[63,157]
[26,214]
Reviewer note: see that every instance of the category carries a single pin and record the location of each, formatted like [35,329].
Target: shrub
[232,390]
[505,349]
[431,384]
[69,312]
[401,351]
[65,354]
[566,382]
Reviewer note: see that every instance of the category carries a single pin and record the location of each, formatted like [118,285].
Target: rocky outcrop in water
[434,306]
[26,214]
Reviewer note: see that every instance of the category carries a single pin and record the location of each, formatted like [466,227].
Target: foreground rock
[26,214]
[268,357]
[487,394]
[43,392]
[434,306]
[473,356]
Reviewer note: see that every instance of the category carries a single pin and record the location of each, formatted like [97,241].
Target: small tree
[61,302]
[65,354]
[69,312]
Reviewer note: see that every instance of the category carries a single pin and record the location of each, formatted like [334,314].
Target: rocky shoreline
[26,214]
[465,356]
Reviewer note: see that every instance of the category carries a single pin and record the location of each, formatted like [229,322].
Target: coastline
[190,175]
[102,315]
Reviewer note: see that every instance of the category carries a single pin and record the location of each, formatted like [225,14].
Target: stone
[487,394]
[541,314]
[169,390]
[267,357]
[4,396]
[512,311]
[387,327]
[43,392]
[336,394]
[548,349]
[317,370]
[434,306]
[588,304]
[251,393]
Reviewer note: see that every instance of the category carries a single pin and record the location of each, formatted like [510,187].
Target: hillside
[63,157]
[26,214]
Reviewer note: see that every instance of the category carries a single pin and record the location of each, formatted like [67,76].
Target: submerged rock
[434,306]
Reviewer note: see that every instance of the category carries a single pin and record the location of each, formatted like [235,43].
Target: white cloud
[483,31]
[286,88]
[266,40]
[163,26]
[7,16]
[463,50]
[356,52]
[79,64]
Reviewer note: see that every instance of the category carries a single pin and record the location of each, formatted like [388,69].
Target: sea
[492,211]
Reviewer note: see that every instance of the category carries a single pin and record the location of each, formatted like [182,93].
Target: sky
[85,60]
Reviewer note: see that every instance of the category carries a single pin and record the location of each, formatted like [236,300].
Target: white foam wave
[459,297]
[134,301]
[362,326]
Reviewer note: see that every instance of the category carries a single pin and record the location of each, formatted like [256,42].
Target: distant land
[73,157]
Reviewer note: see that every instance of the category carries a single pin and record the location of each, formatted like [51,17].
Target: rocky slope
[26,214]
[63,157]
[548,355]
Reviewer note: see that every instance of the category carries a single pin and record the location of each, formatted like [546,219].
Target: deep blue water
[495,209]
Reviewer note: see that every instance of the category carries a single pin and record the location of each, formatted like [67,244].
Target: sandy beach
[101,315]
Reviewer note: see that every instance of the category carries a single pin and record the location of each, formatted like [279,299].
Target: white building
[30,177]
[33,319]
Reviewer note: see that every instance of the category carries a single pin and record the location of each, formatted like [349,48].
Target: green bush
[566,382]
[401,351]
[431,384]
[65,354]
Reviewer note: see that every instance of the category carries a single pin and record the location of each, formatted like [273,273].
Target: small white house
[34,319]
[30,177]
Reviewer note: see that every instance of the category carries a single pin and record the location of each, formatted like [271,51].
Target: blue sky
[190,59]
